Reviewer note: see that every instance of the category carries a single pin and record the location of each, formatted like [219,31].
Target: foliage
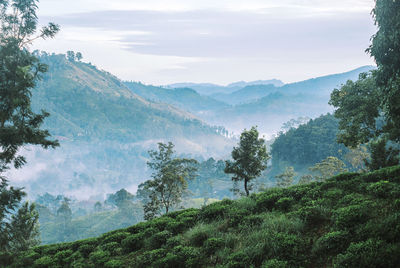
[19,125]
[328,168]
[336,223]
[382,155]
[169,181]
[286,178]
[249,159]
[369,107]
[308,144]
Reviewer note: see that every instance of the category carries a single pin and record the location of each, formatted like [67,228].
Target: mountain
[242,84]
[251,92]
[269,107]
[246,94]
[105,132]
[210,89]
[184,98]
[351,220]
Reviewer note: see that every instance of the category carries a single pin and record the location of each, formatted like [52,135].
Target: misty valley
[102,171]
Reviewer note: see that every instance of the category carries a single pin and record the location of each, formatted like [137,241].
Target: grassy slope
[350,220]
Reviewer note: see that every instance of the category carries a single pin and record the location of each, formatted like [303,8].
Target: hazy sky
[218,41]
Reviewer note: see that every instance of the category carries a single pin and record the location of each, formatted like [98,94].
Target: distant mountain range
[210,89]
[241,105]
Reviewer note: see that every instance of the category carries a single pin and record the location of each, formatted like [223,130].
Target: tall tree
[385,49]
[370,107]
[249,158]
[169,180]
[19,72]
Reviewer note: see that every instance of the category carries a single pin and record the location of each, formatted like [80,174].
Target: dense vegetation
[308,144]
[351,220]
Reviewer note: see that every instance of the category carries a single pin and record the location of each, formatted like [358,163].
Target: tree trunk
[245,187]
[166,209]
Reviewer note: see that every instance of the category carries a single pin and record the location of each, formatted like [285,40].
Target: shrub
[349,217]
[313,215]
[284,203]
[99,257]
[132,242]
[238,260]
[158,239]
[274,263]
[380,189]
[62,256]
[370,253]
[114,264]
[115,237]
[86,249]
[199,233]
[331,243]
[45,262]
[211,245]
[111,247]
[149,257]
[266,201]
[215,210]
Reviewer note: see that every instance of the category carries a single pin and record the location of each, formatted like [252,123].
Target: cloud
[217,42]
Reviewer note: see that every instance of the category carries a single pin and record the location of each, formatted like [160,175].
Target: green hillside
[86,103]
[186,99]
[351,220]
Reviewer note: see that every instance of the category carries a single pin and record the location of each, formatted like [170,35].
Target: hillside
[87,103]
[351,220]
[186,99]
[105,132]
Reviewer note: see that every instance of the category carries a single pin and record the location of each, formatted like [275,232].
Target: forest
[117,173]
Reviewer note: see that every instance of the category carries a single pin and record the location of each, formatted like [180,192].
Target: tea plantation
[351,220]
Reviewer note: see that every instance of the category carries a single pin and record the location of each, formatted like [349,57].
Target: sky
[215,41]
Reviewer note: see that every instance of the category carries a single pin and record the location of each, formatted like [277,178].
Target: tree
[382,155]
[120,198]
[249,158]
[286,178]
[329,167]
[169,180]
[78,56]
[19,125]
[24,228]
[369,109]
[385,49]
[71,56]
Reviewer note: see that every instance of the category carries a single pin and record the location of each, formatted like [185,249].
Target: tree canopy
[169,180]
[249,158]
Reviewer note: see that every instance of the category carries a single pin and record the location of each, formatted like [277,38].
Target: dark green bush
[111,247]
[86,249]
[274,263]
[114,264]
[314,215]
[331,243]
[238,260]
[370,253]
[215,210]
[149,257]
[133,242]
[99,257]
[45,262]
[284,203]
[266,201]
[114,237]
[62,256]
[211,245]
[158,240]
[349,217]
